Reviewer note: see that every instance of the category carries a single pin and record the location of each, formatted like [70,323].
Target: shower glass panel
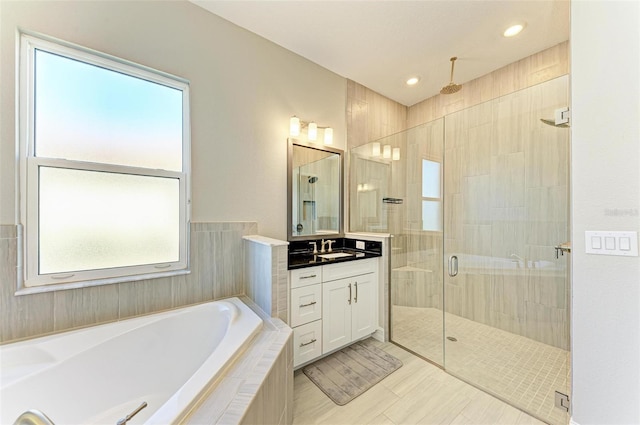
[506,208]
[483,193]
[404,197]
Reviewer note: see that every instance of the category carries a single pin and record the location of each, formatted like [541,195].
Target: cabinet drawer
[306,304]
[307,342]
[306,276]
[348,269]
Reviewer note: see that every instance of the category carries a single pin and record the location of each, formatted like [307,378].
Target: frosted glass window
[104,170]
[430,179]
[97,220]
[432,216]
[88,113]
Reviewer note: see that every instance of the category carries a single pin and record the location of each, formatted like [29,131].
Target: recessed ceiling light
[413,81]
[513,30]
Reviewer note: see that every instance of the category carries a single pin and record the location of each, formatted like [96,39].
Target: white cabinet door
[336,314]
[364,307]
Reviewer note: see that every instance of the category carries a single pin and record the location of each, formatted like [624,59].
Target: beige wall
[605,140]
[243,91]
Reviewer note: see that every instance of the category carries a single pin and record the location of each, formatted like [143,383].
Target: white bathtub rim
[184,399]
[84,338]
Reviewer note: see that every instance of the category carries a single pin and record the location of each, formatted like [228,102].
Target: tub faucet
[132,414]
[518,259]
[33,417]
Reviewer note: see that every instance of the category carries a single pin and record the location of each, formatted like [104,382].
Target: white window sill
[86,284]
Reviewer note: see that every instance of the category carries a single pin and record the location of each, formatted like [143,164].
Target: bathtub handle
[302,344]
[307,304]
[132,414]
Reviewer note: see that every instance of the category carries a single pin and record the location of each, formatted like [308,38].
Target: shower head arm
[453,64]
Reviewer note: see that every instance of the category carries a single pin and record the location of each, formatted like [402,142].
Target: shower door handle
[453,266]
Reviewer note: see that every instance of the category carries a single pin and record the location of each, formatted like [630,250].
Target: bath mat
[347,373]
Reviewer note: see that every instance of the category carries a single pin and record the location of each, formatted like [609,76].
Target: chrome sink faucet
[315,247]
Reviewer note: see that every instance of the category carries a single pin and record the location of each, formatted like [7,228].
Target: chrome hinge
[562,401]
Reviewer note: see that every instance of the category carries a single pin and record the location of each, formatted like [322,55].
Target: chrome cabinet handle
[302,344]
[453,266]
[308,277]
[349,294]
[356,297]
[308,304]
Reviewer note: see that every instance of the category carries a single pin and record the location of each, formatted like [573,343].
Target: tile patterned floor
[417,393]
[520,370]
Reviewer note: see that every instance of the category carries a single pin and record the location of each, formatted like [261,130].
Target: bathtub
[99,375]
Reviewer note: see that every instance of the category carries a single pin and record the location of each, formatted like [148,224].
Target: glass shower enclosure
[476,203]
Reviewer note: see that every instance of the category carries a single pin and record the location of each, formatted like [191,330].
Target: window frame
[426,198]
[30,281]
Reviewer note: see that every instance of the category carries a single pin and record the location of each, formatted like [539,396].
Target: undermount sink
[335,255]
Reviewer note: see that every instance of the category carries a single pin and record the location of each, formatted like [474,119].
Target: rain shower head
[451,87]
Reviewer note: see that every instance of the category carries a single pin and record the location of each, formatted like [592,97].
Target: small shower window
[431,196]
[104,169]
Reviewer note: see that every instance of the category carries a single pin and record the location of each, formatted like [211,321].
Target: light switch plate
[359,244]
[611,243]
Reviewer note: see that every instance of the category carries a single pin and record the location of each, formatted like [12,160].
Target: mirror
[315,181]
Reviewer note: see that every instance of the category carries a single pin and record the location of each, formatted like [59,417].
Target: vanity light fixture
[396,154]
[375,149]
[294,126]
[386,151]
[328,136]
[513,30]
[312,133]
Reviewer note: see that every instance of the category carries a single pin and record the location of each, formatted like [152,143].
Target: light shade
[375,149]
[328,136]
[386,151]
[294,126]
[396,154]
[313,131]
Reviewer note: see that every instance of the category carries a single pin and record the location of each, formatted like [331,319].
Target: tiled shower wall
[413,262]
[217,271]
[506,207]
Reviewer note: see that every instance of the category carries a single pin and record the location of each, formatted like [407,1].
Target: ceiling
[380,44]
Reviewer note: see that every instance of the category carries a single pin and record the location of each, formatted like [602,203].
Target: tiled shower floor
[524,372]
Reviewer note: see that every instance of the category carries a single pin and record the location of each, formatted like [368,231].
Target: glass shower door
[506,208]
[398,186]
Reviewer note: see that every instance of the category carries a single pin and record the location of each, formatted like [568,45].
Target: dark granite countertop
[301,254]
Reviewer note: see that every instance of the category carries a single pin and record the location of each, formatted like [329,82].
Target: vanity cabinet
[349,311]
[332,306]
